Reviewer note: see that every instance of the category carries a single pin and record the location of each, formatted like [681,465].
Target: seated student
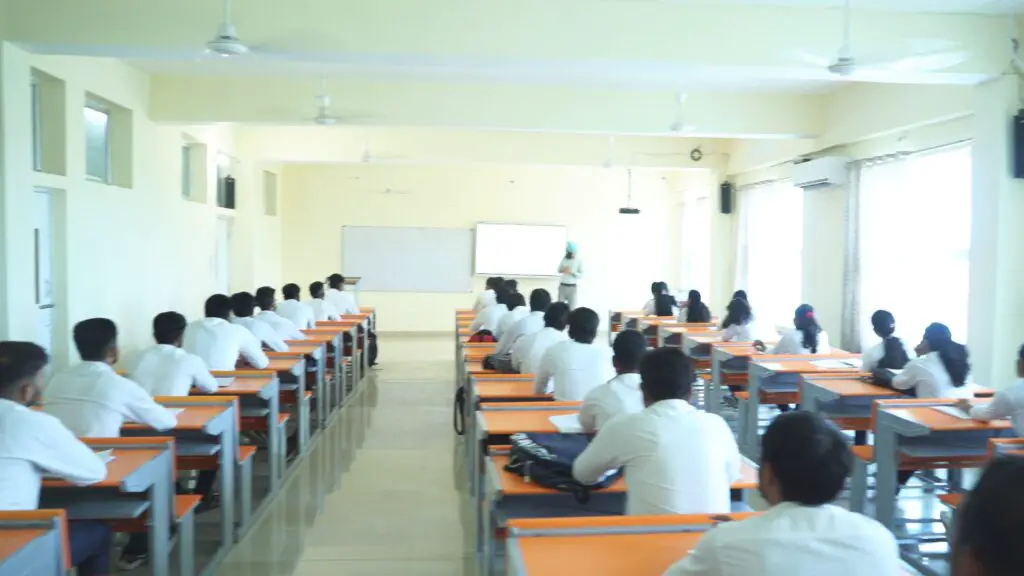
[806,337]
[517,310]
[343,302]
[512,285]
[488,296]
[1007,403]
[323,310]
[243,306]
[941,369]
[657,289]
[576,366]
[622,394]
[990,523]
[738,323]
[220,343]
[891,353]
[167,370]
[33,444]
[299,313]
[804,463]
[528,351]
[540,300]
[677,459]
[91,399]
[285,328]
[489,317]
[693,309]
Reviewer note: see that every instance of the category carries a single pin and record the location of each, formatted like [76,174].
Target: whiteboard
[397,259]
[519,249]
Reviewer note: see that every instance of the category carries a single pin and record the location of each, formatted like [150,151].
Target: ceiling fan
[323,112]
[226,42]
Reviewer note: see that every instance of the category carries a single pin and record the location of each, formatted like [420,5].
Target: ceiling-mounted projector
[629,210]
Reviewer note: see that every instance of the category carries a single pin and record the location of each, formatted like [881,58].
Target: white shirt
[927,375]
[93,401]
[529,350]
[575,270]
[485,299]
[677,459]
[33,443]
[571,369]
[323,310]
[299,313]
[875,354]
[1007,403]
[284,327]
[263,331]
[792,342]
[165,370]
[528,324]
[509,319]
[739,333]
[488,318]
[219,343]
[795,540]
[620,395]
[343,302]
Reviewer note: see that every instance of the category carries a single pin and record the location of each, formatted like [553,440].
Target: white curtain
[696,239]
[915,239]
[769,261]
[850,338]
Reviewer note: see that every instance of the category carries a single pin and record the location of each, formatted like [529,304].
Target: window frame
[108,177]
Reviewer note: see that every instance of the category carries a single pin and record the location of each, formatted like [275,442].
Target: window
[769,264]
[97,143]
[37,126]
[696,238]
[186,172]
[915,240]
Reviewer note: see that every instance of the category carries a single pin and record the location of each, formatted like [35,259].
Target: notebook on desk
[567,423]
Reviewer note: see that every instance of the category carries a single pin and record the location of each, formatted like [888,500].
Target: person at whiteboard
[489,317]
[517,310]
[322,309]
[487,297]
[693,309]
[571,269]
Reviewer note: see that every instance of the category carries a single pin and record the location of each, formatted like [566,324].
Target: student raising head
[806,337]
[891,353]
[694,309]
[991,523]
[620,395]
[528,351]
[804,462]
[167,370]
[572,368]
[1007,403]
[738,319]
[941,369]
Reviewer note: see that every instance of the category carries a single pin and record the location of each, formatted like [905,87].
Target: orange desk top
[15,539]
[800,366]
[508,389]
[244,386]
[605,554]
[124,463]
[851,387]
[941,422]
[303,346]
[282,364]
[191,417]
[316,337]
[503,422]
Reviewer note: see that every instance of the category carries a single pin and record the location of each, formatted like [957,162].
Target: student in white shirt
[806,337]
[286,330]
[487,297]
[532,322]
[571,270]
[299,313]
[243,307]
[528,351]
[93,400]
[1007,403]
[677,459]
[990,523]
[657,289]
[33,443]
[322,309]
[167,370]
[220,343]
[804,462]
[737,326]
[517,311]
[489,317]
[694,310]
[576,366]
[622,394]
[343,302]
[891,353]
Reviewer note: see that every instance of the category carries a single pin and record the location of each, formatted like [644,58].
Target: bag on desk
[546,459]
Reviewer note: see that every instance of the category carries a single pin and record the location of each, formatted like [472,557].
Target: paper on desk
[953,411]
[567,424]
[222,382]
[838,364]
[773,366]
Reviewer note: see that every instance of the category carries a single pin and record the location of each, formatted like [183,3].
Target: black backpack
[546,460]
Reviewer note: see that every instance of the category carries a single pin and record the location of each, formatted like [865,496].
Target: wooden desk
[317,350]
[259,395]
[294,379]
[337,333]
[671,334]
[338,387]
[495,387]
[361,342]
[34,542]
[350,327]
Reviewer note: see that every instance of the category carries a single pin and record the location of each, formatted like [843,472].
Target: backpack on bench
[546,460]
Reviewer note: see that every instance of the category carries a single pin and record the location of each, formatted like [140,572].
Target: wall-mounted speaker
[725,197]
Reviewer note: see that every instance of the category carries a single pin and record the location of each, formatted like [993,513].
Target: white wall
[622,255]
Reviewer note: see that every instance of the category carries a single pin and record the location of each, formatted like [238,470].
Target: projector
[629,210]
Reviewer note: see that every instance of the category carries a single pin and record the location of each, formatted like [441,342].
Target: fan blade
[929,62]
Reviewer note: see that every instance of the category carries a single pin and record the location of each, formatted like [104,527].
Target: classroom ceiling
[921,6]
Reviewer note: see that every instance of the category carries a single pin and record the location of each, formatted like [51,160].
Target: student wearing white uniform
[891,353]
[243,307]
[343,302]
[220,343]
[677,459]
[804,462]
[322,309]
[517,311]
[489,317]
[285,328]
[33,443]
[990,523]
[622,394]
[737,326]
[528,351]
[530,323]
[572,368]
[490,293]
[91,399]
[571,269]
[658,290]
[167,370]
[806,337]
[694,310]
[298,313]
[1007,403]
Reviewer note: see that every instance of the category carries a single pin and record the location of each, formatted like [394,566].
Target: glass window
[97,143]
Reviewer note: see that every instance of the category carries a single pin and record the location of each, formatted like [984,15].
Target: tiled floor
[377,495]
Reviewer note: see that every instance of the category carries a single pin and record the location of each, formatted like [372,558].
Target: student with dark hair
[528,351]
[740,295]
[517,310]
[167,370]
[990,523]
[285,328]
[33,444]
[694,309]
[219,342]
[666,306]
[804,462]
[806,337]
[344,302]
[574,367]
[677,459]
[292,309]
[489,317]
[941,369]
[738,322]
[1007,403]
[243,305]
[620,395]
[659,291]
[531,322]
[322,309]
[490,293]
[512,285]
[891,353]
[93,400]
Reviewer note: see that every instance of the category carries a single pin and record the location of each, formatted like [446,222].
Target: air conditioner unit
[821,172]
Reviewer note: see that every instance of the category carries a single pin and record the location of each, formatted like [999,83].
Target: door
[221,251]
[43,246]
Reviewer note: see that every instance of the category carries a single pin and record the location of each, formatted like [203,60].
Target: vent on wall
[820,173]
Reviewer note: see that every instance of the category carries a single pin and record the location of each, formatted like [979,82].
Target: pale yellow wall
[622,255]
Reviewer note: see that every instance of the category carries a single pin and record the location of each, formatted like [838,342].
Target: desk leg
[227,461]
[341,386]
[365,350]
[160,498]
[885,476]
[274,447]
[244,496]
[187,545]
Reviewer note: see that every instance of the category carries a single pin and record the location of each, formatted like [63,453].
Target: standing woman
[571,269]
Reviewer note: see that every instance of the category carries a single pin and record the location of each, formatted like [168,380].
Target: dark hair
[316,289]
[336,281]
[168,327]
[18,361]
[583,324]
[666,374]
[629,348]
[990,522]
[557,316]
[94,338]
[265,297]
[515,300]
[737,313]
[218,306]
[658,288]
[895,357]
[503,296]
[291,291]
[740,295]
[512,285]
[954,356]
[664,305]
[808,457]
[540,299]
[696,310]
[495,282]
[806,323]
[243,304]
